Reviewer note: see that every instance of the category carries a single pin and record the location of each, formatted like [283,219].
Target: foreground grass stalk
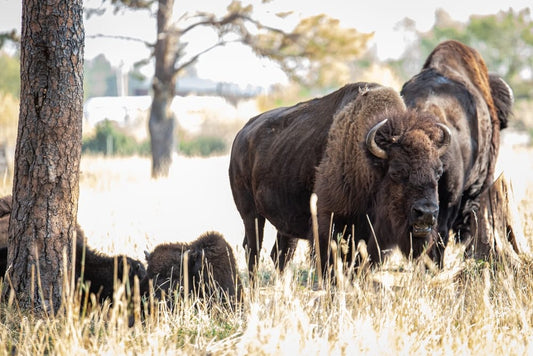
[401,307]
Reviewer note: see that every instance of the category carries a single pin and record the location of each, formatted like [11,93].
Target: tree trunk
[499,229]
[162,120]
[161,125]
[47,156]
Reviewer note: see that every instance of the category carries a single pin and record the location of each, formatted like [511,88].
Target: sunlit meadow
[468,307]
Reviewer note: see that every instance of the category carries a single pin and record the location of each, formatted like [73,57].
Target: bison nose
[424,213]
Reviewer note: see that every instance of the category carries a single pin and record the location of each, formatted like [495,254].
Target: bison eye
[398,174]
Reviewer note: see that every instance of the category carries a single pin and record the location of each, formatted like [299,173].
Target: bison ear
[503,98]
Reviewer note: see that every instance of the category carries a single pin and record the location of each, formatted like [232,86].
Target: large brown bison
[454,86]
[99,269]
[363,154]
[211,269]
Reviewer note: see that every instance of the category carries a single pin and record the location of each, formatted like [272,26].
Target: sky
[237,63]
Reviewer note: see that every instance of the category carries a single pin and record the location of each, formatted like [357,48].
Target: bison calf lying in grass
[205,267]
[98,269]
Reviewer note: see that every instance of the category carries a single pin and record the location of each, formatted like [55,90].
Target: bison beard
[454,85]
[280,157]
[99,269]
[212,270]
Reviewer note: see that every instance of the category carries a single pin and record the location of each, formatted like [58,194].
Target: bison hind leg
[253,240]
[283,251]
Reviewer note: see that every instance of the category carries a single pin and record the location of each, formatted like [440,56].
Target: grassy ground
[469,307]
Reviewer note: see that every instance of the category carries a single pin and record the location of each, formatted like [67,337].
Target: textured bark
[499,229]
[47,156]
[162,120]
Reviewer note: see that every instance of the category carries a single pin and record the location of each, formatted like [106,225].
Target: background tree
[315,43]
[505,40]
[100,77]
[9,75]
[9,100]
[47,157]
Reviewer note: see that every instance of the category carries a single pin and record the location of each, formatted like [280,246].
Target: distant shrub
[203,146]
[9,115]
[111,141]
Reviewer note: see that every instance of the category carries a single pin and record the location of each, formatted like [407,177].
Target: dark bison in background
[363,154]
[211,269]
[5,212]
[99,269]
[454,86]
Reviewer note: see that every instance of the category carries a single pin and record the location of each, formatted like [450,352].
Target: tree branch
[125,38]
[209,20]
[196,56]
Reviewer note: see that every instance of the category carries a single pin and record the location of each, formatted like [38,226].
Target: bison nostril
[425,213]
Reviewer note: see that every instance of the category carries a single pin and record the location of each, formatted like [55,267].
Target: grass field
[469,307]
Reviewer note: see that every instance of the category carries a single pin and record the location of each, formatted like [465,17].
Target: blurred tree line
[504,39]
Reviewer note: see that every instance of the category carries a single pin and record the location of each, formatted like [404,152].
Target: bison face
[407,202]
[135,269]
[165,269]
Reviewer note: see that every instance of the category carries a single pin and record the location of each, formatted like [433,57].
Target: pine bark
[47,156]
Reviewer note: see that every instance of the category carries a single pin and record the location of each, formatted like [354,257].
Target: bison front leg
[283,250]
[253,240]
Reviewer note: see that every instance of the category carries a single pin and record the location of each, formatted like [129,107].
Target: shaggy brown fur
[212,270]
[5,212]
[454,85]
[99,269]
[272,169]
[274,159]
[351,183]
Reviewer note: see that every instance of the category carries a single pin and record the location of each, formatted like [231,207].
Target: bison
[361,151]
[211,269]
[99,269]
[5,212]
[455,86]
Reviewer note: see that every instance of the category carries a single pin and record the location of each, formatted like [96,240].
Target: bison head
[165,268]
[205,267]
[406,203]
[135,269]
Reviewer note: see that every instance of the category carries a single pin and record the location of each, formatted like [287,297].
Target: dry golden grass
[468,307]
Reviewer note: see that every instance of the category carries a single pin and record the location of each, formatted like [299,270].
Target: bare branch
[196,24]
[209,20]
[125,38]
[196,56]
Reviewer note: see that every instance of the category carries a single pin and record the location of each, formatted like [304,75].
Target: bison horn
[146,255]
[446,140]
[371,141]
